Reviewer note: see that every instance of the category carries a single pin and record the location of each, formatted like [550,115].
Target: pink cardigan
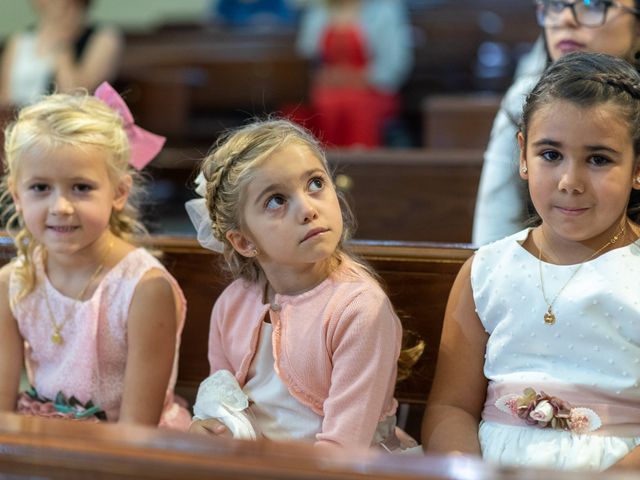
[335,347]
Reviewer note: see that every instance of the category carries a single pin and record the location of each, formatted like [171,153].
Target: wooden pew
[190,81]
[53,449]
[449,36]
[38,448]
[403,195]
[458,121]
[417,277]
[190,84]
[410,195]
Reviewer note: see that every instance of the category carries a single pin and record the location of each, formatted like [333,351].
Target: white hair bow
[199,216]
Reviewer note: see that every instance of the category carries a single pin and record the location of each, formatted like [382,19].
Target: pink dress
[90,363]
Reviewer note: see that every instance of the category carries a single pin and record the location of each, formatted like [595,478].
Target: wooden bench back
[410,195]
[42,448]
[459,121]
[189,85]
[189,82]
[417,277]
[401,195]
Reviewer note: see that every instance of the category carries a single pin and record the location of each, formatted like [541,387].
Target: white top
[278,415]
[591,354]
[501,198]
[30,72]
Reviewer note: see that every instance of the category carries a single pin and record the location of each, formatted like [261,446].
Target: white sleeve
[500,203]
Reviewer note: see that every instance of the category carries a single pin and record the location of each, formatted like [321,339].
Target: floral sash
[545,411]
[577,409]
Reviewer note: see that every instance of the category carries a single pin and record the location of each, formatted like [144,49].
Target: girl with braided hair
[539,362]
[304,343]
[605,26]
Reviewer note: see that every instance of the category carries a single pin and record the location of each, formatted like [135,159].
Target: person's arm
[365,347]
[5,72]
[392,45]
[11,347]
[459,388]
[629,461]
[314,20]
[99,62]
[151,334]
[500,201]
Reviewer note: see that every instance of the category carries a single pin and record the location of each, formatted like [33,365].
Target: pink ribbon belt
[578,409]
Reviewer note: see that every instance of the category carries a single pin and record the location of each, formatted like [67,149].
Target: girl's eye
[39,187]
[316,184]
[551,156]
[599,161]
[82,188]
[274,202]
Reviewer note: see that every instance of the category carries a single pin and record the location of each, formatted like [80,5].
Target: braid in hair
[620,82]
[214,172]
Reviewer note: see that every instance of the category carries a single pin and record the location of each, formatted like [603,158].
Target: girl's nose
[571,180]
[60,205]
[308,211]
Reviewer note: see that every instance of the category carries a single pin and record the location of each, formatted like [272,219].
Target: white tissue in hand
[221,397]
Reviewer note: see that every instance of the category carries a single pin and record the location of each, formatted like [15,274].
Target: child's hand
[210,426]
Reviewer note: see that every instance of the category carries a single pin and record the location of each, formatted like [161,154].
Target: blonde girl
[96,320]
[304,343]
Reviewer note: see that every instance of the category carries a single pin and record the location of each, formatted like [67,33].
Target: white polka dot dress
[590,357]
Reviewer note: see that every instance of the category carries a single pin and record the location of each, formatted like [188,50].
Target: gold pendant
[549,317]
[56,338]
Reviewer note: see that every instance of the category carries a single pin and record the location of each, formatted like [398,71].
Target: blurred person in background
[363,53]
[62,52]
[257,13]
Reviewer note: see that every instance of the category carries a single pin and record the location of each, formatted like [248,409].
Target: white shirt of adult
[500,202]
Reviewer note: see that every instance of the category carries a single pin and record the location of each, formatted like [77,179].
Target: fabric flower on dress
[545,411]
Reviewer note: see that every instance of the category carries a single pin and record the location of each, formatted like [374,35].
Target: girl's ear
[241,244]
[524,171]
[121,193]
[636,175]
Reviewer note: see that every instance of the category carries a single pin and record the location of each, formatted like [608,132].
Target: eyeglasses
[588,13]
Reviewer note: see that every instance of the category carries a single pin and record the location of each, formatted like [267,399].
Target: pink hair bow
[144,144]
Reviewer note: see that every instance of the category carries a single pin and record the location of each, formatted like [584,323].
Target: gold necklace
[549,316]
[56,336]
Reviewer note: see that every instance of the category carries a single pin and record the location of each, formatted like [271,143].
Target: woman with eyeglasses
[605,26]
